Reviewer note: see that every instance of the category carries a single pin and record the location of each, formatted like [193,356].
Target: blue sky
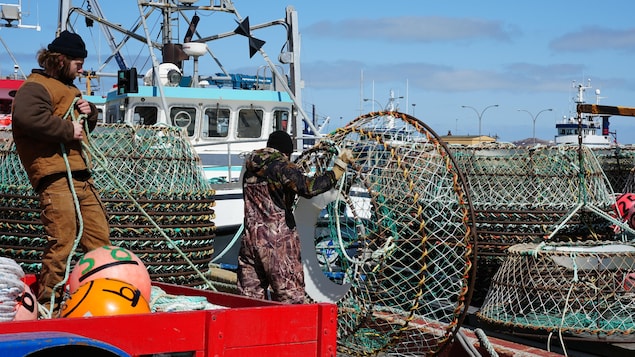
[438,55]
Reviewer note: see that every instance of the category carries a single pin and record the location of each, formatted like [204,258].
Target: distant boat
[592,130]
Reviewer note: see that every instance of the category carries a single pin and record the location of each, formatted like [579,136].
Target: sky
[447,62]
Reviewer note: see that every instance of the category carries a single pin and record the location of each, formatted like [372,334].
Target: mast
[62,20]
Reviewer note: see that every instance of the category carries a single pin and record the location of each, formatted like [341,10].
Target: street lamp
[533,118]
[374,101]
[480,116]
[413,109]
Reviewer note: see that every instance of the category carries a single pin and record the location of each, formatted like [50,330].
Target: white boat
[224,114]
[591,129]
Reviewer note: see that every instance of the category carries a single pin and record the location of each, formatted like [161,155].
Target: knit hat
[69,44]
[280,141]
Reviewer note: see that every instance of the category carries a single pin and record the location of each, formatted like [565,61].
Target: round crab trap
[582,290]
[145,175]
[392,245]
[526,195]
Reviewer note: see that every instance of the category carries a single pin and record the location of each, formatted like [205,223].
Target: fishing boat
[223,114]
[591,129]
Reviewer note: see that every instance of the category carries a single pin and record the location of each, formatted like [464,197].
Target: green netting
[530,195]
[617,163]
[583,290]
[400,237]
[154,165]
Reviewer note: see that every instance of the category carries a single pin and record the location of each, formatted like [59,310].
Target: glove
[338,170]
[346,155]
[344,158]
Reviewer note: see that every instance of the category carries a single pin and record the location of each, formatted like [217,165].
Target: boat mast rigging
[290,57]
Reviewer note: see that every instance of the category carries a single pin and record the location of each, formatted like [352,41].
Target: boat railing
[228,144]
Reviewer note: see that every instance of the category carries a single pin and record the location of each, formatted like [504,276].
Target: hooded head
[69,44]
[280,141]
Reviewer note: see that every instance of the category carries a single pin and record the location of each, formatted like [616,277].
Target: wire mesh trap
[533,195]
[572,274]
[582,290]
[393,245]
[152,167]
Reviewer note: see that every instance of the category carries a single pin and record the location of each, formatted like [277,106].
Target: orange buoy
[105,297]
[111,262]
[27,307]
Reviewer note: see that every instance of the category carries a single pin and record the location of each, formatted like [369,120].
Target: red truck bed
[247,327]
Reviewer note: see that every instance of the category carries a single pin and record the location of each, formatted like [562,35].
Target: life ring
[317,285]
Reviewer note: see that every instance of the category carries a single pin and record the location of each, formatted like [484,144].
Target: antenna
[581,89]
[597,96]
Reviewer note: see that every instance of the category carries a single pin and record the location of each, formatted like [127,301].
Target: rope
[80,230]
[231,243]
[485,343]
[467,346]
[164,302]
[101,159]
[11,288]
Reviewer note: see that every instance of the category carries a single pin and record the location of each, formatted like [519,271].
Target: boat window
[280,120]
[183,117]
[100,115]
[217,122]
[249,123]
[113,114]
[5,106]
[145,115]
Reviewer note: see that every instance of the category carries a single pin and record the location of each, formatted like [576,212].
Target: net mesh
[530,195]
[585,290]
[546,224]
[400,235]
[152,165]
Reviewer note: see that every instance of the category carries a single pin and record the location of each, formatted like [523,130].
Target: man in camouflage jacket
[269,254]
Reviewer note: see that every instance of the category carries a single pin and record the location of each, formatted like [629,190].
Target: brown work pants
[62,224]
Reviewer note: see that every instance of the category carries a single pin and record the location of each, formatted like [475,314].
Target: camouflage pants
[269,257]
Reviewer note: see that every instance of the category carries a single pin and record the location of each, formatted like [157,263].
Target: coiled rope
[11,288]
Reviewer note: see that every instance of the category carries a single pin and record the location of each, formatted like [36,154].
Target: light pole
[413,109]
[374,101]
[533,119]
[480,116]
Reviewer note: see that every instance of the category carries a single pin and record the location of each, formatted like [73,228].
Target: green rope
[101,159]
[80,230]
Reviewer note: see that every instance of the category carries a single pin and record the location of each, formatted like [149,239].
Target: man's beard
[65,74]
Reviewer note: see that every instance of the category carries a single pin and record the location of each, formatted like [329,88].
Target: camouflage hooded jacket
[271,183]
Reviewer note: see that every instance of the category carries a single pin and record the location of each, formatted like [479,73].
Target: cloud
[520,77]
[595,39]
[413,29]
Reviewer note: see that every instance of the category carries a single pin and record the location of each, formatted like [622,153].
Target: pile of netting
[532,195]
[618,164]
[582,290]
[152,186]
[395,249]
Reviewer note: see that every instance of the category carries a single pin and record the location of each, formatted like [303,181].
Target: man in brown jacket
[49,143]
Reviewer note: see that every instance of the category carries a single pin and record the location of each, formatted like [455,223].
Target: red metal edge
[327,326]
[246,327]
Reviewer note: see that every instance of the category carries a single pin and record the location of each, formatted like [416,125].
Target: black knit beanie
[69,44]
[280,141]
